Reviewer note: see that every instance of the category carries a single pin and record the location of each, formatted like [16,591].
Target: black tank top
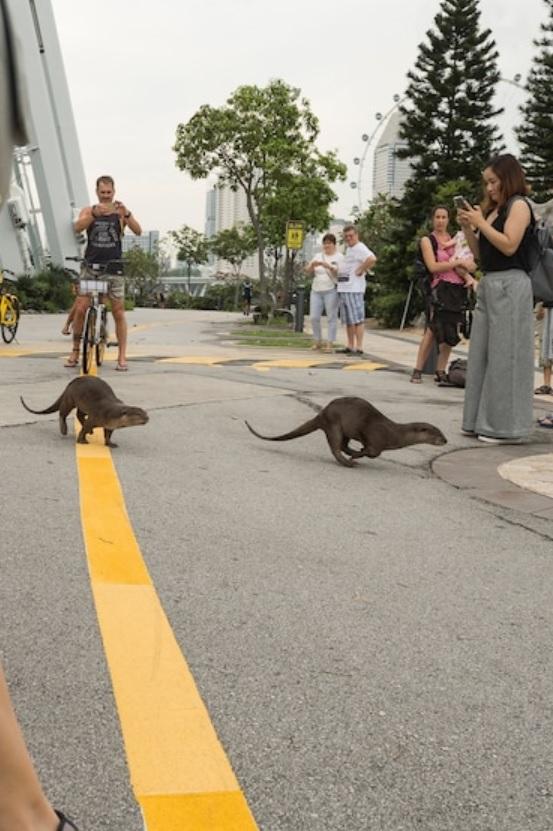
[104,239]
[493,260]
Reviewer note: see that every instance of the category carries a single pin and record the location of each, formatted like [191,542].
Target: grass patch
[247,335]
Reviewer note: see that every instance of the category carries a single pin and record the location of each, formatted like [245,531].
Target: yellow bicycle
[10,309]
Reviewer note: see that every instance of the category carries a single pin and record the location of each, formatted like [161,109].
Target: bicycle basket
[93,286]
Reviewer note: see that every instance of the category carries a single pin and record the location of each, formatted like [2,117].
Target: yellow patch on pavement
[204,360]
[16,353]
[288,363]
[364,366]
[179,772]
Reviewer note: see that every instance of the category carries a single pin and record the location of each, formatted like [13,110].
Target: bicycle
[95,326]
[10,309]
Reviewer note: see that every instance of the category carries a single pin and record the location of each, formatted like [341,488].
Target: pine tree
[448,121]
[535,134]
[449,129]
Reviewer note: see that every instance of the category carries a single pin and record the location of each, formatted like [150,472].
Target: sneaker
[494,440]
[468,433]
[317,345]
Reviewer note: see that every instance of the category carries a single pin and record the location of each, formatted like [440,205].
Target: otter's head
[427,434]
[132,417]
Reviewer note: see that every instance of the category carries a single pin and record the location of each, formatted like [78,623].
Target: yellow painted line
[289,363]
[204,360]
[366,366]
[179,771]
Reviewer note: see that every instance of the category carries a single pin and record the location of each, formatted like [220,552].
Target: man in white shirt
[351,288]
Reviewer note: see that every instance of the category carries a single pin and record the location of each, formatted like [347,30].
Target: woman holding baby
[449,263]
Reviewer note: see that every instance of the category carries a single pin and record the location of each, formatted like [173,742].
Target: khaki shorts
[116,282]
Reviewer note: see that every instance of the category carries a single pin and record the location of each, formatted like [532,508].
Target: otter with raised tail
[354,419]
[96,405]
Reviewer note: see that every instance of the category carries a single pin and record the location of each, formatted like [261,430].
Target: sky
[136,70]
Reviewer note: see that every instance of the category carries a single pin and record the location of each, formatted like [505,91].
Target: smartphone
[460,203]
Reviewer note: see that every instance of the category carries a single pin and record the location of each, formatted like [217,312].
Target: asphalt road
[373,645]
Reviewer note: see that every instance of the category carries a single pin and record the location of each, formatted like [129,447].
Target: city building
[226,208]
[148,242]
[390,173]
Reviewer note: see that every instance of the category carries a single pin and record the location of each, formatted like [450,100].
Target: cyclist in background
[104,224]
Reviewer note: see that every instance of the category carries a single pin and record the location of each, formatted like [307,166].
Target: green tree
[142,273]
[535,133]
[305,196]
[234,245]
[448,122]
[256,142]
[192,249]
[448,125]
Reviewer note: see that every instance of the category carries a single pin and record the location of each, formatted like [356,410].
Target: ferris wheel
[510,95]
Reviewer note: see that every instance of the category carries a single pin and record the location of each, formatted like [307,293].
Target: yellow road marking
[289,363]
[366,366]
[179,772]
[192,359]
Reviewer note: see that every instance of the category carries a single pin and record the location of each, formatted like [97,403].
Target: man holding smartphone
[104,224]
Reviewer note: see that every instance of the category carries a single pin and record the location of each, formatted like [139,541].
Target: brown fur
[96,405]
[354,419]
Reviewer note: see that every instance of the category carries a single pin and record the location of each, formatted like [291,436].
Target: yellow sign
[294,235]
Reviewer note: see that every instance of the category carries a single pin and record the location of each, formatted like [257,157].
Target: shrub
[50,290]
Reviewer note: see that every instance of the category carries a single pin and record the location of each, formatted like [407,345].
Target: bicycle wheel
[10,318]
[103,337]
[89,333]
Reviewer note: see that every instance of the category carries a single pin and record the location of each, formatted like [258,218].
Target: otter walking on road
[354,419]
[96,405]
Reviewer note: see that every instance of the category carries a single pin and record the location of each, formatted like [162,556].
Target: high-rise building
[148,242]
[226,208]
[389,172]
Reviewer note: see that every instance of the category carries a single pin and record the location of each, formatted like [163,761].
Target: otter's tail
[52,409]
[303,430]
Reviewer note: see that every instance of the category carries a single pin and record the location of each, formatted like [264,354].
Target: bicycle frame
[9,310]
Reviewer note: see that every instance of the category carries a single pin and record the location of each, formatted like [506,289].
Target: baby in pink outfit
[460,250]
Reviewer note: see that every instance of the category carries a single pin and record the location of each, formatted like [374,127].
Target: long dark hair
[511,175]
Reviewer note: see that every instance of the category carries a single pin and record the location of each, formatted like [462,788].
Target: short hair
[350,228]
[511,175]
[107,180]
[329,238]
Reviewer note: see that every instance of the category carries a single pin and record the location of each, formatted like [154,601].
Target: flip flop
[546,421]
[121,368]
[71,363]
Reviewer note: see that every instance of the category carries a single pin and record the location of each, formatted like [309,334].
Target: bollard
[300,302]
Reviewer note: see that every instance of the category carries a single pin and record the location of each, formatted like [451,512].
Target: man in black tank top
[104,224]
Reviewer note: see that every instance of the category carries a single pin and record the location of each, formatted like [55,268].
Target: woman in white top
[323,292]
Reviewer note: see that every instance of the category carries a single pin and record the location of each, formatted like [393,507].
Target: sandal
[440,376]
[72,361]
[65,823]
[121,368]
[546,421]
[66,330]
[545,389]
[416,377]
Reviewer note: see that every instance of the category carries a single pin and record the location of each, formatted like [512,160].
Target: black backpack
[421,273]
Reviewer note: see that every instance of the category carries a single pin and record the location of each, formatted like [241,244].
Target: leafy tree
[256,142]
[304,196]
[192,248]
[449,132]
[448,121]
[142,272]
[234,245]
[535,133]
